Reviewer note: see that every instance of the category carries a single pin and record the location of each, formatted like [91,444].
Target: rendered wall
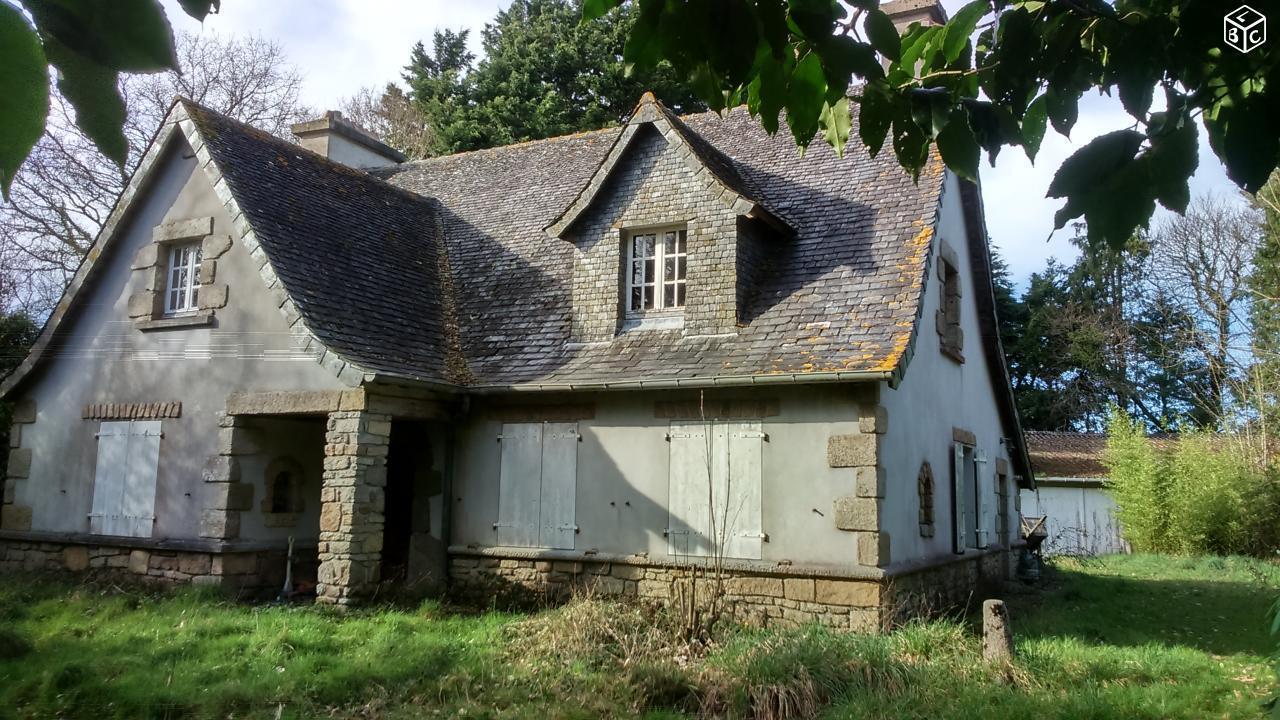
[623,474]
[936,395]
[104,358]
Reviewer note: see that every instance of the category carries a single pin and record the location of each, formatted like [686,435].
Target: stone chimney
[342,141]
[905,12]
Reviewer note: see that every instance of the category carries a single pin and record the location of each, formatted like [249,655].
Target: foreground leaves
[25,87]
[1027,67]
[88,43]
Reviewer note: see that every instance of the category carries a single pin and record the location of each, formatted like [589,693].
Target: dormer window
[183,281]
[656,262]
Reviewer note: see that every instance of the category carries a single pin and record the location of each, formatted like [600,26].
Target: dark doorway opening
[408,456]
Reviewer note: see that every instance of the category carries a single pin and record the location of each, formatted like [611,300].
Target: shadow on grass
[1215,611]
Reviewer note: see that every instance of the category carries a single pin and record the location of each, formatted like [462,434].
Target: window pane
[669,242]
[680,295]
[680,245]
[644,246]
[648,297]
[637,272]
[648,270]
[669,295]
[669,272]
[680,267]
[637,298]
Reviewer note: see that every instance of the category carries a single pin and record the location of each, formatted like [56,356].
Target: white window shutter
[108,479]
[688,504]
[559,486]
[519,484]
[740,516]
[985,503]
[124,480]
[958,522]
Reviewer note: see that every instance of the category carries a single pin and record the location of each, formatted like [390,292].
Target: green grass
[1118,637]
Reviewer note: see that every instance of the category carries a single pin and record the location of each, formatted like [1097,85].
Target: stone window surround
[151,269]
[947,319]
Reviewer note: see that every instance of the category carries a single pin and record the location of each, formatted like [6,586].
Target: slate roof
[843,299]
[359,257]
[1066,454]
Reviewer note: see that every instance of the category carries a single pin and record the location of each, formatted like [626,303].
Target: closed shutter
[124,482]
[559,485]
[108,478]
[714,498]
[958,522]
[983,498]
[520,484]
[742,514]
[688,503]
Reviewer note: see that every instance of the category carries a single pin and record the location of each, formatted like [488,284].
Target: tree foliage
[88,45]
[1027,68]
[543,74]
[1096,333]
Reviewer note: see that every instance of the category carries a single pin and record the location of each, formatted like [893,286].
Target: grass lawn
[1117,637]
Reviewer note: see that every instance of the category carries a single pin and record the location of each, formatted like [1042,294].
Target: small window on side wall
[182,279]
[950,336]
[656,270]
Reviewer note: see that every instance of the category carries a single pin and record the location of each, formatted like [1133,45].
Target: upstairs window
[656,262]
[183,282]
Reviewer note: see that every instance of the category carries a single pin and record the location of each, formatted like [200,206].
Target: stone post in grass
[997,637]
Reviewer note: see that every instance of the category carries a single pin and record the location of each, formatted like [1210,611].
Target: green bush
[1138,484]
[1203,493]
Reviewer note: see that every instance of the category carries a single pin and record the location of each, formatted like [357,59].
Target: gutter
[678,383]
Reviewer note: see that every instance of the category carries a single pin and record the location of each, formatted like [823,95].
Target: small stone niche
[924,486]
[283,500]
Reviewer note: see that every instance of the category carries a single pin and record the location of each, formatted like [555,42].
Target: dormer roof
[717,171]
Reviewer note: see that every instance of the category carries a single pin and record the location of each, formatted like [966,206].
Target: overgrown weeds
[1140,636]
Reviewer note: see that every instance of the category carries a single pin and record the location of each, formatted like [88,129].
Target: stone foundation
[249,572]
[784,598]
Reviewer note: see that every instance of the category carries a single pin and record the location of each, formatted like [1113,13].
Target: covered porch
[358,479]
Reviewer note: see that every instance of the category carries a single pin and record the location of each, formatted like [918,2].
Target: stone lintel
[287,402]
[191,229]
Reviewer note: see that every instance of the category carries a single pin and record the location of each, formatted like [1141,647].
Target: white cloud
[342,45]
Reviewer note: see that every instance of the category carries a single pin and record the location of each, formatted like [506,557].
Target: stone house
[602,359]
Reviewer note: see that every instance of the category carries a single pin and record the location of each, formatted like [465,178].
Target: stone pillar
[351,504]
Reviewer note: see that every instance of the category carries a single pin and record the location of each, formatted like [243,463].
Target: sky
[343,45]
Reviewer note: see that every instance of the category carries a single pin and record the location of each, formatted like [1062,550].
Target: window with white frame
[183,282]
[656,264]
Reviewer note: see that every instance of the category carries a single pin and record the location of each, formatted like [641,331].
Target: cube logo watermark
[1244,28]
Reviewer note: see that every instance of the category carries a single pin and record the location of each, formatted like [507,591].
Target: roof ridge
[580,133]
[261,134]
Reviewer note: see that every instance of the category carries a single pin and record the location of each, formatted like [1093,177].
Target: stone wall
[249,572]
[754,598]
[653,187]
[962,582]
